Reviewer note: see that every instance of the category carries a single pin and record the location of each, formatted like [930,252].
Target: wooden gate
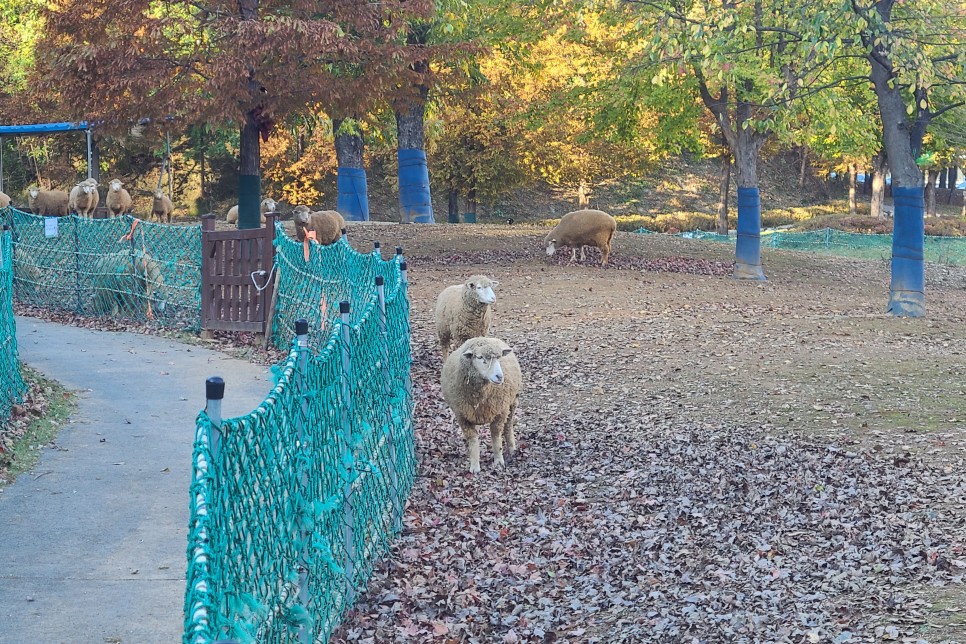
[237,281]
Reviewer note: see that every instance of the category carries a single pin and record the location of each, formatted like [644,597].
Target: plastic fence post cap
[376,244]
[215,388]
[301,327]
[344,307]
[403,266]
[399,250]
[380,280]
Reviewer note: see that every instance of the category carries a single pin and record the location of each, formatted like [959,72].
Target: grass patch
[33,424]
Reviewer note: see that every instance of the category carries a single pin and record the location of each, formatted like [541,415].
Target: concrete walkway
[93,540]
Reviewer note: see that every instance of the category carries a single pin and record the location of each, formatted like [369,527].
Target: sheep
[326,227]
[84,198]
[4,201]
[124,279]
[481,383]
[463,311]
[47,202]
[161,206]
[583,228]
[118,199]
[268,206]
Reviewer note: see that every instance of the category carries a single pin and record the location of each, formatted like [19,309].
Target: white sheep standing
[161,206]
[326,226]
[463,311]
[481,383]
[4,200]
[583,228]
[118,199]
[84,198]
[267,206]
[47,202]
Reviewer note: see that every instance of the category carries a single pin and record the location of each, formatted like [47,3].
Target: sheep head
[88,188]
[159,194]
[301,215]
[482,286]
[486,362]
[116,185]
[269,205]
[551,246]
[34,192]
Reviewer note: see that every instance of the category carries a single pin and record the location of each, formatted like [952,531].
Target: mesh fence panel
[120,266]
[943,250]
[290,512]
[11,383]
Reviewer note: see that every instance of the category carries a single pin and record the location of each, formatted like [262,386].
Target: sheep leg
[511,438]
[573,254]
[583,253]
[496,434]
[604,254]
[472,438]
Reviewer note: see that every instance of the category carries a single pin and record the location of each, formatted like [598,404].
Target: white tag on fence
[50,226]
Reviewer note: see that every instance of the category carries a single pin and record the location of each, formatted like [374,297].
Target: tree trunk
[249,145]
[853,202]
[899,137]
[415,200]
[453,206]
[471,206]
[878,185]
[943,176]
[929,195]
[353,198]
[724,188]
[802,168]
[748,245]
[950,183]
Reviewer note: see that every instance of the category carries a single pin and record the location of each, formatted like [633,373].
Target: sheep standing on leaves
[481,383]
[126,282]
[161,206]
[326,226]
[84,198]
[118,199]
[47,202]
[583,228]
[463,311]
[267,206]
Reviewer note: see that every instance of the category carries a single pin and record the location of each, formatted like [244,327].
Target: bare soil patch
[701,457]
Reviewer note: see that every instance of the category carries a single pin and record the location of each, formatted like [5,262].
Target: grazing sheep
[127,282]
[47,202]
[326,226]
[463,311]
[118,199]
[84,198]
[161,206]
[583,228]
[4,200]
[268,206]
[481,383]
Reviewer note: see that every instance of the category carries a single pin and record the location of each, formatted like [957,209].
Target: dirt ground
[702,459]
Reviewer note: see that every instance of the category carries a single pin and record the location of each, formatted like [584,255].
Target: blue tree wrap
[907,292]
[748,246]
[249,201]
[353,200]
[414,198]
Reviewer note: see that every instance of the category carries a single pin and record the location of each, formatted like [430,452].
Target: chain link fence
[292,503]
[942,250]
[12,386]
[121,267]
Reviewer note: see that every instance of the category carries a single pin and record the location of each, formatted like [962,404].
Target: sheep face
[551,247]
[159,194]
[487,364]
[33,192]
[88,189]
[301,215]
[116,185]
[483,289]
[268,205]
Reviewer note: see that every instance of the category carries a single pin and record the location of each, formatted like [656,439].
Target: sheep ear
[494,283]
[507,352]
[470,285]
[468,355]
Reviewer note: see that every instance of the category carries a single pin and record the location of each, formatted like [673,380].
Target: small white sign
[50,226]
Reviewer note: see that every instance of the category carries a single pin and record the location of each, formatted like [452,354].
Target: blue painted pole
[353,200]
[748,246]
[907,293]
[415,203]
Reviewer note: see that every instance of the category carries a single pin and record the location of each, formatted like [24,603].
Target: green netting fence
[943,250]
[11,382]
[120,266]
[292,503]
